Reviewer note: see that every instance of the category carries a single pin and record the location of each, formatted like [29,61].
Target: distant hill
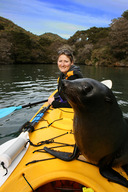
[51,37]
[20,46]
[95,46]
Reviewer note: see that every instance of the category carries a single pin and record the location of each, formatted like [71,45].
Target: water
[23,84]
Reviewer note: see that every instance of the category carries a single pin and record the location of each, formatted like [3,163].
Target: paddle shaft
[39,115]
[36,103]
[29,125]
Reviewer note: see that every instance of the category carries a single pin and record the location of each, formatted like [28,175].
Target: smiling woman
[69,71]
[65,61]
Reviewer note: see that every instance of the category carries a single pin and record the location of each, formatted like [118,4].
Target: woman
[68,71]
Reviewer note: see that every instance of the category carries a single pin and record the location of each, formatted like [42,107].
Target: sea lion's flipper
[113,176]
[64,155]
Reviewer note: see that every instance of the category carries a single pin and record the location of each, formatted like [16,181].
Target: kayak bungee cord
[40,160]
[48,124]
[28,182]
[2,164]
[65,110]
[58,146]
[51,140]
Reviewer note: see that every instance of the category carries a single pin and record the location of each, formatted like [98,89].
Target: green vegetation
[95,46]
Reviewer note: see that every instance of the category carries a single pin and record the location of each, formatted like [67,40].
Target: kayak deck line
[48,141]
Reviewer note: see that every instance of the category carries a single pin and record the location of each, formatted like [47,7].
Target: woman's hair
[66,52]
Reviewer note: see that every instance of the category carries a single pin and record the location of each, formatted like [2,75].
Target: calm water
[23,84]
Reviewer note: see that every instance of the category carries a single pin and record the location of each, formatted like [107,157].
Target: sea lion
[100,130]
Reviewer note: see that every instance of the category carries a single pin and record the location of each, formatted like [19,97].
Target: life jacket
[69,73]
[73,71]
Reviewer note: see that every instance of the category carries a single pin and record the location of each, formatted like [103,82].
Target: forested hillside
[95,46]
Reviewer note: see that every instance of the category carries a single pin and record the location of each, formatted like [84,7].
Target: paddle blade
[108,83]
[8,110]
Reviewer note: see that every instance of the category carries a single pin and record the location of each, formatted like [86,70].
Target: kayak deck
[40,171]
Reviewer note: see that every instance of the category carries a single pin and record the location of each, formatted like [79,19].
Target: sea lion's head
[85,92]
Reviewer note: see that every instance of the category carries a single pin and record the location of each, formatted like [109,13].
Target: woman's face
[64,63]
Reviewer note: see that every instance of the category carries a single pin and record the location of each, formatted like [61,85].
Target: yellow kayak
[39,171]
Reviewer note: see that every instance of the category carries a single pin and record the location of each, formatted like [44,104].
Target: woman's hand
[50,100]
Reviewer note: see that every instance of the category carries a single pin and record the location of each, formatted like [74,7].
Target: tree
[118,38]
[125,14]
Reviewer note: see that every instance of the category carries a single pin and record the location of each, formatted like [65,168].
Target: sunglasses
[65,52]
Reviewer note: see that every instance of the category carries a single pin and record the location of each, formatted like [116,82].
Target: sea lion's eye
[87,89]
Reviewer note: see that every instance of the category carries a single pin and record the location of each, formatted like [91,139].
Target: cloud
[38,16]
[64,29]
[108,6]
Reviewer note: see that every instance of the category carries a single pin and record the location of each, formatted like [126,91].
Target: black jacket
[73,73]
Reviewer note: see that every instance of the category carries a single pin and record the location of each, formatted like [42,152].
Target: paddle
[8,110]
[108,83]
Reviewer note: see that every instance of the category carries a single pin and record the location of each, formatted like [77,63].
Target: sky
[61,17]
